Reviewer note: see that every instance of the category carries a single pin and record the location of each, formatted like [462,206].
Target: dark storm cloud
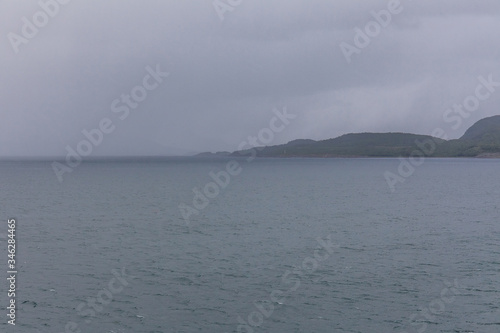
[226,76]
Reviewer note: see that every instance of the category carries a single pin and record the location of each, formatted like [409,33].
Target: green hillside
[486,130]
[481,139]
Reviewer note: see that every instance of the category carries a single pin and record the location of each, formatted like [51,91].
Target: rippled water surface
[425,258]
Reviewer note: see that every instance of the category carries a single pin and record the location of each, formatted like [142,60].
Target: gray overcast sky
[226,76]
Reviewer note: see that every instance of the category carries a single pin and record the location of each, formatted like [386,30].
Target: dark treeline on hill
[480,140]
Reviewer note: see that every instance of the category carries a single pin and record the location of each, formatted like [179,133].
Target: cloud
[227,76]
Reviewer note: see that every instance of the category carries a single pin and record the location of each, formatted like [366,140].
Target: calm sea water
[425,258]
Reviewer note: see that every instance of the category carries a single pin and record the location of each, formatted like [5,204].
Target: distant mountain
[361,144]
[486,130]
[480,140]
[217,154]
[300,142]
